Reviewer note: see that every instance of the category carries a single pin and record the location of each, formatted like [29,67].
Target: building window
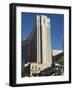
[38,68]
[35,67]
[44,21]
[32,67]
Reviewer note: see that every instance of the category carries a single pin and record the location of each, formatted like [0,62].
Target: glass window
[44,21]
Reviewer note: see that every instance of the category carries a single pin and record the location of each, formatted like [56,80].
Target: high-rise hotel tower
[43,45]
[43,40]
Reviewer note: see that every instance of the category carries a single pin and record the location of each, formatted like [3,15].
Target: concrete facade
[43,40]
[44,54]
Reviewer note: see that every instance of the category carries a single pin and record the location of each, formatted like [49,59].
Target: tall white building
[43,39]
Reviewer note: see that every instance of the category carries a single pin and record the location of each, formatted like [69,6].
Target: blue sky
[57,27]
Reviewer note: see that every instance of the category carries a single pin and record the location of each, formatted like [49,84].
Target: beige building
[40,45]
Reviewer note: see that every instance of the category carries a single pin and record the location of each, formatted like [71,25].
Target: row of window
[35,67]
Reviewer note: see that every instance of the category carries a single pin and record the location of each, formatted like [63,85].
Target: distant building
[59,58]
[56,52]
